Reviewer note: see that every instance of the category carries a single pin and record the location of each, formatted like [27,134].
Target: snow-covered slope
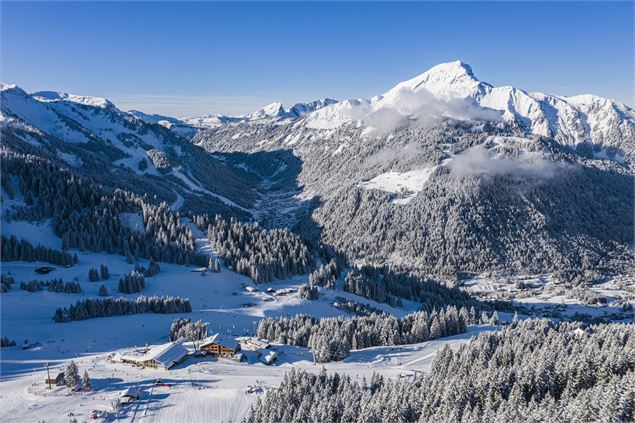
[450,90]
[271,113]
[122,149]
[175,125]
[211,121]
[77,119]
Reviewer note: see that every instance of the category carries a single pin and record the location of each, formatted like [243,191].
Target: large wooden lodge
[160,357]
[221,345]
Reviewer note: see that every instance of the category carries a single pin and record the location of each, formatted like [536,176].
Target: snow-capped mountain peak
[301,109]
[446,80]
[451,90]
[52,96]
[273,110]
[6,87]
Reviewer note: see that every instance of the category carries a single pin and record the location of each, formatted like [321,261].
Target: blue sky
[185,59]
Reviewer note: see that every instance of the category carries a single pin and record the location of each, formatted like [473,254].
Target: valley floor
[200,389]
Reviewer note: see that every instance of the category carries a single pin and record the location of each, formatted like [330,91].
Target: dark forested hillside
[89,217]
[524,204]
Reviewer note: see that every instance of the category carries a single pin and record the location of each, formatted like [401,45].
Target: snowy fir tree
[86,383]
[71,376]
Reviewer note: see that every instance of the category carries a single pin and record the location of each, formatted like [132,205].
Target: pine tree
[86,382]
[105,274]
[103,291]
[71,376]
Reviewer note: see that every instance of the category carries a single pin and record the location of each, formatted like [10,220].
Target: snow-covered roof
[221,339]
[130,392]
[167,354]
[267,356]
[255,342]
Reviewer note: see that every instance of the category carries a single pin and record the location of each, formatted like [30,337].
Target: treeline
[333,338]
[88,217]
[535,371]
[23,250]
[54,285]
[190,331]
[261,254]
[106,307]
[355,307]
[386,285]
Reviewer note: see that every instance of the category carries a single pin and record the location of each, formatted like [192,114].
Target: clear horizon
[192,59]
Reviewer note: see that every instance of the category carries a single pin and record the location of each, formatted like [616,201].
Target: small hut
[57,380]
[130,395]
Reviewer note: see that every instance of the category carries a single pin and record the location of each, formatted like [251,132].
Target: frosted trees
[86,383]
[261,254]
[71,377]
[54,285]
[87,216]
[106,307]
[325,276]
[103,291]
[131,283]
[389,285]
[93,274]
[6,342]
[308,292]
[103,270]
[188,330]
[152,270]
[214,265]
[23,250]
[6,281]
[536,371]
[332,338]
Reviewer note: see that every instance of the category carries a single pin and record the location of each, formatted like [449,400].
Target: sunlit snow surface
[202,389]
[410,183]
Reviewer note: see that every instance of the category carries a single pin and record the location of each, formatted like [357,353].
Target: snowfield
[408,183]
[202,388]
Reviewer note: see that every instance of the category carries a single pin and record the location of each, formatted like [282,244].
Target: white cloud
[480,161]
[421,108]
